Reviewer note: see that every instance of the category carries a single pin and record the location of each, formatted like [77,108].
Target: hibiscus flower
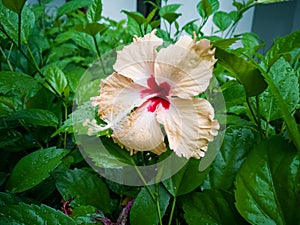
[152,94]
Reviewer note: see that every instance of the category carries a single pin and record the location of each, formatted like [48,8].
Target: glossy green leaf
[8,199]
[283,45]
[56,77]
[237,143]
[9,23]
[39,117]
[186,180]
[171,8]
[33,214]
[168,12]
[171,17]
[190,27]
[33,168]
[268,184]
[133,27]
[94,11]
[222,20]
[138,17]
[83,214]
[17,83]
[7,106]
[290,121]
[225,43]
[15,5]
[286,81]
[91,28]
[151,15]
[72,5]
[86,188]
[144,210]
[245,72]
[104,153]
[234,93]
[210,207]
[81,39]
[207,7]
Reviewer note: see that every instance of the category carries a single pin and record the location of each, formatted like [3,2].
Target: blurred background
[269,21]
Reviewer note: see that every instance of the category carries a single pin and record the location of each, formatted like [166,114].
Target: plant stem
[6,59]
[66,117]
[258,116]
[145,182]
[99,54]
[251,111]
[172,210]
[158,211]
[19,29]
[201,26]
[154,198]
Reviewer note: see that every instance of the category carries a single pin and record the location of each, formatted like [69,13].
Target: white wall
[113,8]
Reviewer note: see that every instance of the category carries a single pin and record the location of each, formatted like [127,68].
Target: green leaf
[86,188]
[237,143]
[7,106]
[210,207]
[81,39]
[145,204]
[222,20]
[267,185]
[33,214]
[186,180]
[56,77]
[225,43]
[72,5]
[168,12]
[91,28]
[9,23]
[207,7]
[171,8]
[151,16]
[190,27]
[284,107]
[136,16]
[83,214]
[245,72]
[17,83]
[39,117]
[14,5]
[283,46]
[33,168]
[8,199]
[106,153]
[285,79]
[234,93]
[94,11]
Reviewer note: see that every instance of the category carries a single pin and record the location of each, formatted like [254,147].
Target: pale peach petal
[118,96]
[136,61]
[186,65]
[140,131]
[189,126]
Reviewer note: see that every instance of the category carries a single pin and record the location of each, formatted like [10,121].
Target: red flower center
[161,90]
